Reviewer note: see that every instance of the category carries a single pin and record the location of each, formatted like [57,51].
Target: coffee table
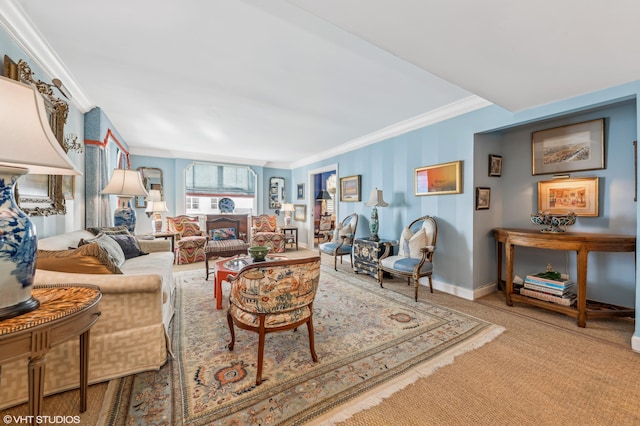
[225,267]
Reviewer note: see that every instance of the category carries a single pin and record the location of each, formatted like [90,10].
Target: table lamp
[287,209]
[157,208]
[126,184]
[375,200]
[29,147]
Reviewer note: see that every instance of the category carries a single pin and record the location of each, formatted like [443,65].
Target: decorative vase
[125,215]
[553,222]
[17,250]
[374,225]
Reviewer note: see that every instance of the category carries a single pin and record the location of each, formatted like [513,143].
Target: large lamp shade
[30,147]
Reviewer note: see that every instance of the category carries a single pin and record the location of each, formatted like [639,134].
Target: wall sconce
[71,143]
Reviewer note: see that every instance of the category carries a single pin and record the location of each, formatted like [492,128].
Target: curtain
[98,208]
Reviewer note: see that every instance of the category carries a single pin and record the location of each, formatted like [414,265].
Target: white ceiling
[283,83]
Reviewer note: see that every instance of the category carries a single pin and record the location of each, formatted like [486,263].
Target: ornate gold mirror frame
[40,195]
[151,179]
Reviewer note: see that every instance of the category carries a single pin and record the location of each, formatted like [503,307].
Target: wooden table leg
[583,256]
[509,251]
[499,257]
[217,280]
[84,370]
[36,368]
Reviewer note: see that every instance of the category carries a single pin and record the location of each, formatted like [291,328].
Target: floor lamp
[126,184]
[29,147]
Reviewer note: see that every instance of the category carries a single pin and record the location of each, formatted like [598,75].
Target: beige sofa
[129,337]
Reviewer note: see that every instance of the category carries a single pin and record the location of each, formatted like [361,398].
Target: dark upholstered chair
[190,239]
[267,297]
[342,241]
[415,253]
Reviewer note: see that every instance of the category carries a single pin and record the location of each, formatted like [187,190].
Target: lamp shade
[287,207]
[125,183]
[323,195]
[154,195]
[26,135]
[375,199]
[159,206]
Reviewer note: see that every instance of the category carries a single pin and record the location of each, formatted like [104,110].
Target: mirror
[277,194]
[40,195]
[151,179]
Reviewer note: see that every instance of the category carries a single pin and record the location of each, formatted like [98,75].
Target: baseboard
[454,290]
[635,343]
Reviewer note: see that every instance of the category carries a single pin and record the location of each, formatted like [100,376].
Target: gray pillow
[128,244]
[109,244]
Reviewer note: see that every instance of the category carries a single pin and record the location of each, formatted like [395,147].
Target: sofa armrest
[152,246]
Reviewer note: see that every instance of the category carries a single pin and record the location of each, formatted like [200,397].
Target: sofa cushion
[109,244]
[220,234]
[128,244]
[118,230]
[90,258]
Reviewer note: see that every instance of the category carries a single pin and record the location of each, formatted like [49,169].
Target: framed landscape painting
[568,148]
[439,179]
[350,188]
[560,196]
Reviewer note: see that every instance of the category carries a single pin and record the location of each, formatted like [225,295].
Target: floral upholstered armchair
[190,239]
[265,232]
[415,253]
[342,242]
[274,296]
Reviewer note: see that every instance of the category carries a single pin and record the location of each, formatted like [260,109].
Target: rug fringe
[107,402]
[377,395]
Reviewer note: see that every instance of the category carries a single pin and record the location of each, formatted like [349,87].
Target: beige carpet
[543,370]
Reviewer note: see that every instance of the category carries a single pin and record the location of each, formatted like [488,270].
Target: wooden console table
[65,311]
[582,243]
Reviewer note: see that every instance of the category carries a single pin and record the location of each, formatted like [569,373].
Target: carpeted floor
[543,370]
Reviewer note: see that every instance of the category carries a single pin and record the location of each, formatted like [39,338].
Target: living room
[469,132]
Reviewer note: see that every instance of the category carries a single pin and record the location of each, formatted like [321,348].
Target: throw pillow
[417,241]
[109,244]
[341,231]
[87,259]
[129,245]
[403,250]
[221,234]
[109,230]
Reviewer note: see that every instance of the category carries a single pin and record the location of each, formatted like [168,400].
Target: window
[193,203]
[214,203]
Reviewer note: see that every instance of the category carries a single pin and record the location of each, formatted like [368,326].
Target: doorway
[323,205]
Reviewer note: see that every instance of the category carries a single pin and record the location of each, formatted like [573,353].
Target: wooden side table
[165,235]
[65,311]
[290,235]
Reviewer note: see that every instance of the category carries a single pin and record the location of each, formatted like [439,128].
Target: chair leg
[380,275]
[261,334]
[233,334]
[416,289]
[311,340]
[335,262]
[430,284]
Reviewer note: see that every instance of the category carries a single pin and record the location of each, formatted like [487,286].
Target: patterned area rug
[364,336]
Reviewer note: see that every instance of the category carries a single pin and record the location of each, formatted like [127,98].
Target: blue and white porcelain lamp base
[125,215]
[374,225]
[18,246]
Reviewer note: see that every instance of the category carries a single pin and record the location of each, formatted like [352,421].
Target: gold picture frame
[571,148]
[350,188]
[299,212]
[40,195]
[439,179]
[560,196]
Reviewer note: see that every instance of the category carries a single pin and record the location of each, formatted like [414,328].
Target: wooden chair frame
[353,219]
[427,254]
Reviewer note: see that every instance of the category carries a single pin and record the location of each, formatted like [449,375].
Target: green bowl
[258,253]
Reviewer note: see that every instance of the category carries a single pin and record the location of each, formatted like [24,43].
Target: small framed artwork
[483,198]
[495,165]
[301,191]
[568,148]
[350,188]
[439,179]
[560,196]
[299,212]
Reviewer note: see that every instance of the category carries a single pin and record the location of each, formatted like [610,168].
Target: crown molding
[15,22]
[446,112]
[196,156]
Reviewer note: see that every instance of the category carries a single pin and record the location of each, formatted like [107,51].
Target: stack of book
[561,292]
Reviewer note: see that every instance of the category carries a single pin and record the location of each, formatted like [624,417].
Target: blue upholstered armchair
[342,241]
[415,253]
